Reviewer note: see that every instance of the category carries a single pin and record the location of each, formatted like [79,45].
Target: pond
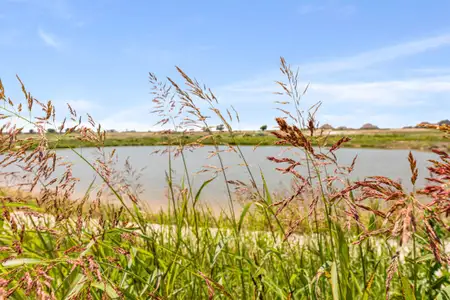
[150,168]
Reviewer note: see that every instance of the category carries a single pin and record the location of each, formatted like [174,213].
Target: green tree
[220,127]
[263,128]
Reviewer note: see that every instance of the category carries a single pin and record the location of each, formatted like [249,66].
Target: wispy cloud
[409,92]
[369,58]
[359,61]
[384,103]
[49,39]
[394,93]
[133,118]
[355,101]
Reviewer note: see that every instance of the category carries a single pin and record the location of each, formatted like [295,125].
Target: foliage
[369,126]
[422,139]
[326,238]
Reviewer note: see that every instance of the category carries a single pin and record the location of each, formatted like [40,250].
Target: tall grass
[326,238]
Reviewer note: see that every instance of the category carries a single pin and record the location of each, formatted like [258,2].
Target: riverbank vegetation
[325,238]
[418,139]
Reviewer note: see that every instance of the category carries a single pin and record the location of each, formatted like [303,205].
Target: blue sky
[384,62]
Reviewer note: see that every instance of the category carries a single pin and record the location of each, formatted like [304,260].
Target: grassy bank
[196,255]
[422,139]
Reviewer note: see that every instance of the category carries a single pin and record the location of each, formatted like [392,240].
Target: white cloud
[350,103]
[382,93]
[134,118]
[369,58]
[394,102]
[49,39]
[356,62]
[384,103]
[377,92]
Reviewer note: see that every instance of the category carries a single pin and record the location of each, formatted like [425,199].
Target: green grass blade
[408,293]
[204,184]
[266,189]
[243,213]
[334,281]
[76,286]
[107,288]
[12,263]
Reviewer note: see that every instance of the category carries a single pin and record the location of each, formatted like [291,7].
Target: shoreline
[398,139]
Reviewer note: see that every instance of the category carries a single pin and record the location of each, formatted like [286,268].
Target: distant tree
[444,122]
[326,127]
[263,128]
[220,127]
[51,130]
[369,126]
[31,131]
[205,129]
[342,128]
